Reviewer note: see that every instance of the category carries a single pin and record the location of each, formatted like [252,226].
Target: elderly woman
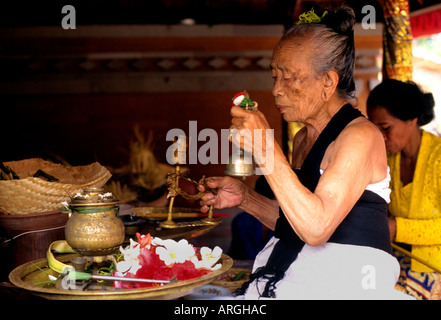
[330,214]
[399,109]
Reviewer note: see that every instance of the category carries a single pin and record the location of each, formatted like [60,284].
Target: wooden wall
[78,94]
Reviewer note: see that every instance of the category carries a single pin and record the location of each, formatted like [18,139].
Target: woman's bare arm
[353,161]
[264,209]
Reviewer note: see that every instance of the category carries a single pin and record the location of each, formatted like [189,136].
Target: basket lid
[93,197]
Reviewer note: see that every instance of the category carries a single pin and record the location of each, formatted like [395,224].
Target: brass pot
[94,228]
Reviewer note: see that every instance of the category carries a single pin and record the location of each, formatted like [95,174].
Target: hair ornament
[311,17]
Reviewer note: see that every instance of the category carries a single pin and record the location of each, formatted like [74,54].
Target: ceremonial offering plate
[153,216]
[29,277]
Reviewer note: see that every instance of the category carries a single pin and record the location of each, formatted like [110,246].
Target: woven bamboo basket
[32,195]
[225,280]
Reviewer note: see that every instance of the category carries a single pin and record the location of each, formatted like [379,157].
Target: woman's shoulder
[360,137]
[363,142]
[431,148]
[363,130]
[432,139]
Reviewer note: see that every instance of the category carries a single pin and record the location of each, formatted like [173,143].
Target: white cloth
[380,188]
[333,271]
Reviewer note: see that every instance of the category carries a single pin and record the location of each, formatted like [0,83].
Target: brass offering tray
[29,275]
[188,220]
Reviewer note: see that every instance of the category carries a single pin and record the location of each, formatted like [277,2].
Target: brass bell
[240,164]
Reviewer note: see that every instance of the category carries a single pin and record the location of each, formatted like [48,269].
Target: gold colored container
[94,228]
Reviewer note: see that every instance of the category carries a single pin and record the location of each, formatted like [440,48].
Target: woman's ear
[413,122]
[330,82]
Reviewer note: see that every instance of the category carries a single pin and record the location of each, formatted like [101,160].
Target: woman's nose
[277,91]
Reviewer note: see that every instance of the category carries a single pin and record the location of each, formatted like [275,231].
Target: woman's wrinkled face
[396,132]
[296,88]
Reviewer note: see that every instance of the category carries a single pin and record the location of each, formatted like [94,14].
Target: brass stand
[210,219]
[174,191]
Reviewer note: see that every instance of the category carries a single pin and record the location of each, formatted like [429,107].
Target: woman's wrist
[392,228]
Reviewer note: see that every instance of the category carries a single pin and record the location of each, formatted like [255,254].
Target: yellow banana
[62,247]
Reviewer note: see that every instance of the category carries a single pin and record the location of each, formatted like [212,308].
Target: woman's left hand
[230,193]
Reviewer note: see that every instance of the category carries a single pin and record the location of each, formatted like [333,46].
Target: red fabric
[426,23]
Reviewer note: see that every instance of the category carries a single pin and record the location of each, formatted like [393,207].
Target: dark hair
[403,100]
[332,42]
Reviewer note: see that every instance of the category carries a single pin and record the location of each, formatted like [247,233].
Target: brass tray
[29,274]
[154,215]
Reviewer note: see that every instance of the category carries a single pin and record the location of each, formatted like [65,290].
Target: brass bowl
[95,234]
[94,228]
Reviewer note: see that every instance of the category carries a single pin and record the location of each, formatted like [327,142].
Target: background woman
[399,109]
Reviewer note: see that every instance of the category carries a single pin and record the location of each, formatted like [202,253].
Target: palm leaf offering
[143,178]
[6,173]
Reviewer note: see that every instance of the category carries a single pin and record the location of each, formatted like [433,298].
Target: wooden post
[397,40]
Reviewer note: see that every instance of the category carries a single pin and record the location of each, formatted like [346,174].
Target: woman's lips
[281,108]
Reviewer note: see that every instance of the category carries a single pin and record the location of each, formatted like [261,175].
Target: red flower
[144,240]
[187,270]
[237,96]
[152,267]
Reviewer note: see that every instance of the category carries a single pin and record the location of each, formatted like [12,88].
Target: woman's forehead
[289,54]
[380,114]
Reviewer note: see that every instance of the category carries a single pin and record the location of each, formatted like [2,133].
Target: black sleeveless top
[365,225]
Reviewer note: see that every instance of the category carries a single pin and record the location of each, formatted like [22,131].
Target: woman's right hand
[230,193]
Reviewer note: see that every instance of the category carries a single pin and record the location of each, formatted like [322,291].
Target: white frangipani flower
[171,251]
[208,258]
[131,260]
